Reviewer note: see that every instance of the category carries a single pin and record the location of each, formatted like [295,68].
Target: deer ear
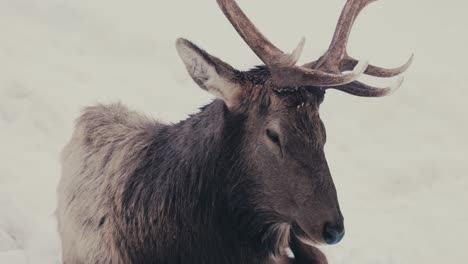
[209,72]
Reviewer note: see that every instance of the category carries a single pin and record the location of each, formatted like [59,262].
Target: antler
[336,59]
[281,65]
[326,72]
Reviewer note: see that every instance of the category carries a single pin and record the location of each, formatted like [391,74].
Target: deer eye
[273,136]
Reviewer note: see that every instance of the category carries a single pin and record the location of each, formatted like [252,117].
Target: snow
[399,163]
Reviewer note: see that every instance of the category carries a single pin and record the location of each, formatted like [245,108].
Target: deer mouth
[312,237]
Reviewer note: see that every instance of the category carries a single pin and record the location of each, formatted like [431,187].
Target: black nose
[332,234]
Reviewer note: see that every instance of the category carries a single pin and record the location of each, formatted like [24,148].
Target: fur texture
[235,183]
[133,191]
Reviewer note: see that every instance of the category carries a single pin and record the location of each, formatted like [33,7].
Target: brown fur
[214,188]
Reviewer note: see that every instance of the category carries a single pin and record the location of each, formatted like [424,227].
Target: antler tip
[303,39]
[296,54]
[407,65]
[410,61]
[396,85]
[298,50]
[182,41]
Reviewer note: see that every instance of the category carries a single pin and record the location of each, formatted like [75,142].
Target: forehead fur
[270,97]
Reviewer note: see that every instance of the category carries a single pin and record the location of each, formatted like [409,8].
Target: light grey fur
[105,148]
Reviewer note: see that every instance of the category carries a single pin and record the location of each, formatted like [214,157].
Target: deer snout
[333,233]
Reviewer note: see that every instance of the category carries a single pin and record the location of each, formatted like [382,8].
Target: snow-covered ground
[399,163]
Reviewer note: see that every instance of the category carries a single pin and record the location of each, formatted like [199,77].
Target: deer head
[283,139]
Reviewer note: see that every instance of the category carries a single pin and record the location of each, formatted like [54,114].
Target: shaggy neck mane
[193,186]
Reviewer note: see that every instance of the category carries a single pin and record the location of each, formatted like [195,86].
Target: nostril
[333,234]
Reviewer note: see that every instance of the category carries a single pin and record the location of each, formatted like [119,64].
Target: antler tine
[292,59]
[364,90]
[349,63]
[337,50]
[299,76]
[264,49]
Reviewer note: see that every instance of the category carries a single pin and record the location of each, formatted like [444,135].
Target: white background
[399,163]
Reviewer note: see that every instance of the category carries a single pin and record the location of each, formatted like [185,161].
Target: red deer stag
[238,182]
